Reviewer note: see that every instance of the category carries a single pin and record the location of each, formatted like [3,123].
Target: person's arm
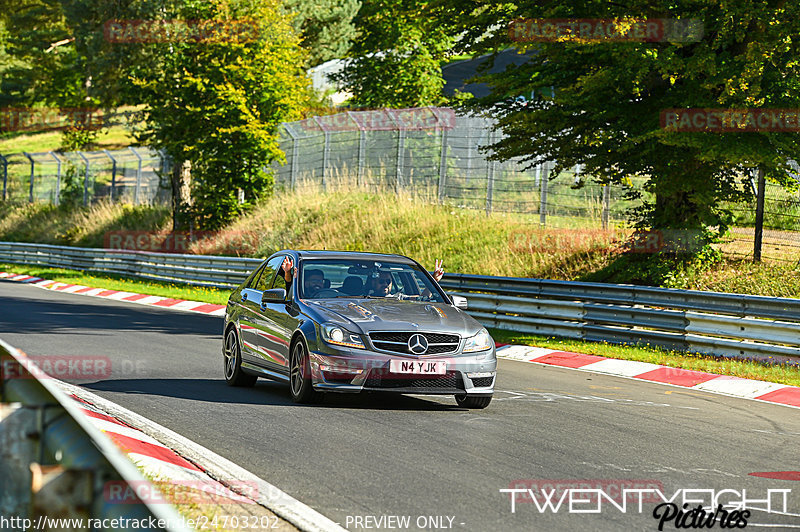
[287,269]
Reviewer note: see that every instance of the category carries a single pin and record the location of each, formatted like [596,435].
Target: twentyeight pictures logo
[676,509]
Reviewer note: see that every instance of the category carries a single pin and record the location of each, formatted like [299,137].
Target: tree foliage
[326,27]
[609,95]
[217,105]
[396,58]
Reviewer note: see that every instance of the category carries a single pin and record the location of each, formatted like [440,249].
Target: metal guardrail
[736,325]
[222,272]
[717,323]
[43,431]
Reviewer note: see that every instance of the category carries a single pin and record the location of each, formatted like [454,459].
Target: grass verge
[117,282]
[779,373]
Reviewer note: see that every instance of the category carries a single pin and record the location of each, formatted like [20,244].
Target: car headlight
[337,335]
[480,342]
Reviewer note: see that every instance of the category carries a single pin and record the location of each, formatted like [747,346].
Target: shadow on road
[264,393]
[33,314]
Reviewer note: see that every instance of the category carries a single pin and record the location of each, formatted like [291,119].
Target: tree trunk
[181,179]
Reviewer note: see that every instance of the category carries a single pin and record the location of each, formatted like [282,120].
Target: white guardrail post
[48,448]
[717,323]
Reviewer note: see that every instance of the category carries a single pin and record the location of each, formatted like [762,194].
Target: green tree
[215,106]
[609,96]
[38,61]
[326,27]
[396,58]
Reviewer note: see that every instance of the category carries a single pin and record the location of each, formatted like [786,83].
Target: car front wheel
[300,375]
[473,402]
[234,376]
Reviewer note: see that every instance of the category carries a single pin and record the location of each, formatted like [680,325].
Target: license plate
[417,367]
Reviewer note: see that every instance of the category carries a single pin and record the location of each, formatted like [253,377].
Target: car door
[249,303]
[283,321]
[269,337]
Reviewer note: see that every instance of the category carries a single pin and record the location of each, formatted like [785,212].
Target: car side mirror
[275,295]
[459,301]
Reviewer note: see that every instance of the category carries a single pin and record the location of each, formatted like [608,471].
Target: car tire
[473,402]
[300,386]
[232,362]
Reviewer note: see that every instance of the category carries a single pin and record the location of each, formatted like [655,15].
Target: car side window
[268,273]
[253,279]
[280,280]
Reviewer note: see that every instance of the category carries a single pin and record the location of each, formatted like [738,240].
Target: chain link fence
[131,175]
[439,155]
[430,152]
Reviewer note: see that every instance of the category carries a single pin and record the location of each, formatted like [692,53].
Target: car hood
[393,315]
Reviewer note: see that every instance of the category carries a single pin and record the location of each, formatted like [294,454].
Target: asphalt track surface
[379,455]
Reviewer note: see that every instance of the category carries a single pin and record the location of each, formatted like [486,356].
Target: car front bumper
[357,370]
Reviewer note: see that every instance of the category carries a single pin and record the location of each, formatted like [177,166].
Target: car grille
[397,342]
[481,382]
[382,379]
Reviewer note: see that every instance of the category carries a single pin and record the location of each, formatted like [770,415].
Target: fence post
[545,174]
[30,188]
[490,177]
[443,167]
[113,172]
[401,133]
[759,216]
[295,155]
[362,140]
[85,178]
[325,153]
[58,177]
[5,177]
[138,176]
[606,205]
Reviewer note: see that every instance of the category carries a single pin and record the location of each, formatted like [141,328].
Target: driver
[313,279]
[313,282]
[380,285]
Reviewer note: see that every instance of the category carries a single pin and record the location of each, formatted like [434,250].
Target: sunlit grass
[116,282]
[780,373]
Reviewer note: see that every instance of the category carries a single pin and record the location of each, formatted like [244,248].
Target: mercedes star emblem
[418,344]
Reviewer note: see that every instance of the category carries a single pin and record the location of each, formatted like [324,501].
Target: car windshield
[341,278]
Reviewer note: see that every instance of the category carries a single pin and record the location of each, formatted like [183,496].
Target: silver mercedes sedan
[352,322]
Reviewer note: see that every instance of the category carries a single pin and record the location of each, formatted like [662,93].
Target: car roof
[317,254]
